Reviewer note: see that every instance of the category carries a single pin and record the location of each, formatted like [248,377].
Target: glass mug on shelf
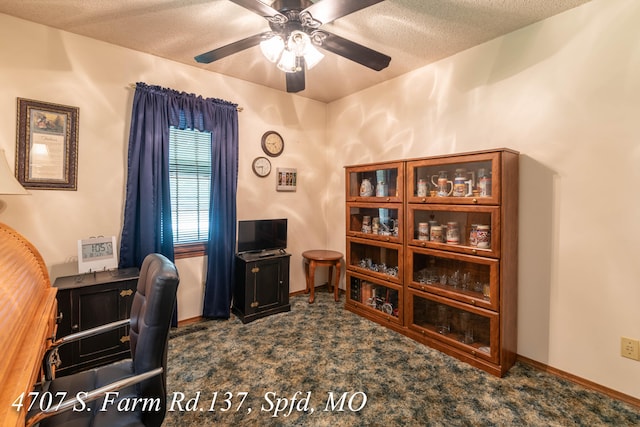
[441,182]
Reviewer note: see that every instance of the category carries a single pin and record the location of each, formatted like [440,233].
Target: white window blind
[190,181]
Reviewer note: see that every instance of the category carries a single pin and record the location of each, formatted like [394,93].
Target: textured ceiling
[413,32]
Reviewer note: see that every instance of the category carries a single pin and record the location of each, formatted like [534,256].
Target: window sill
[190,250]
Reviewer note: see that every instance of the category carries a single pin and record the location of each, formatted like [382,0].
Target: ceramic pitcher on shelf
[441,182]
[366,188]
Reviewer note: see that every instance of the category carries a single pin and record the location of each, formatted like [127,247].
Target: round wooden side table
[321,258]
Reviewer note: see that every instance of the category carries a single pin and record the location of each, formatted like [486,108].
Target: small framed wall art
[46,145]
[287,179]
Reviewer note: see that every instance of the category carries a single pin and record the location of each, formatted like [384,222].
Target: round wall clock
[272,143]
[261,166]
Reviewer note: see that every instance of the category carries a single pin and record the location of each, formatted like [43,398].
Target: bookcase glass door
[379,297]
[461,328]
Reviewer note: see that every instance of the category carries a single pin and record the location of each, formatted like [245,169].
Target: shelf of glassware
[376,259]
[374,297]
[469,279]
[473,230]
[449,325]
[457,179]
[377,221]
[378,183]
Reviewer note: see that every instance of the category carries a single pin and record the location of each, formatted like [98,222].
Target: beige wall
[566,93]
[45,64]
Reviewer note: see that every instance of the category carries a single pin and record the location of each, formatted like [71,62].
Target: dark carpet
[320,365]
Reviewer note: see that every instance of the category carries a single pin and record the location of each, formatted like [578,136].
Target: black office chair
[105,396]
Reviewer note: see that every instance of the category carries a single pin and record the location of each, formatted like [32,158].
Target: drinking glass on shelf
[477,286]
[442,321]
[454,279]
[466,327]
[432,277]
[466,280]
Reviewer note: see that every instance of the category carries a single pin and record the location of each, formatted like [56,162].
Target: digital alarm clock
[96,254]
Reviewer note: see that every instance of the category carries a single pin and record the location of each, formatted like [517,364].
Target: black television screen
[262,235]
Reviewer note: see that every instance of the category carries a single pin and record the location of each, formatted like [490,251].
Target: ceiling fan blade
[295,81]
[355,52]
[261,9]
[329,10]
[230,49]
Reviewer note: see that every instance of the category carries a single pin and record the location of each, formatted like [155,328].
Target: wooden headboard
[27,321]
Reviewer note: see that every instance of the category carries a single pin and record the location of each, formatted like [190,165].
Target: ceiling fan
[295,31]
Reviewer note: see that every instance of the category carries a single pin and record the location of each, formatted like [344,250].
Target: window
[190,183]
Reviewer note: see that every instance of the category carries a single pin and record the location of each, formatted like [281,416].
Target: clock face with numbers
[261,166]
[97,253]
[272,143]
[100,249]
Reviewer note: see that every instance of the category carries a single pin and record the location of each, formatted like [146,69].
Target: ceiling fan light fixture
[298,42]
[272,47]
[288,62]
[312,56]
[296,33]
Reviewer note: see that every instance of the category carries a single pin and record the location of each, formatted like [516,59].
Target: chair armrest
[91,396]
[90,332]
[51,357]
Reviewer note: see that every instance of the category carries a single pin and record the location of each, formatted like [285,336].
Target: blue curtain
[147,218]
[147,214]
[222,224]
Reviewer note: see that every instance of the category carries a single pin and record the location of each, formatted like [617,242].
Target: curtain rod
[133,86]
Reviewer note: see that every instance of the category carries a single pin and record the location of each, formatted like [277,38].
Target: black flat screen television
[262,235]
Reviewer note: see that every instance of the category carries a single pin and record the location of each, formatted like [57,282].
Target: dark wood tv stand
[262,285]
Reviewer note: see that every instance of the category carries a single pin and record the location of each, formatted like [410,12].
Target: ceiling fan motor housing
[288,27]
[283,6]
